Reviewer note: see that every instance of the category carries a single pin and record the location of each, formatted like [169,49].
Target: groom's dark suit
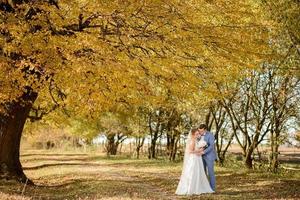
[209,158]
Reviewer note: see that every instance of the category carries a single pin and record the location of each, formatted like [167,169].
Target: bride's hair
[193,131]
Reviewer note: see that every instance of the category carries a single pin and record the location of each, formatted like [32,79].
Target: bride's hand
[200,151]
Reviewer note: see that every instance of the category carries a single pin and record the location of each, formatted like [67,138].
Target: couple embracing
[198,166]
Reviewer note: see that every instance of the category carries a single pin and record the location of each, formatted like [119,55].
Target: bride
[193,179]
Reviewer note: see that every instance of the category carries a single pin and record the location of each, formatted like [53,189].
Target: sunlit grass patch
[4,196]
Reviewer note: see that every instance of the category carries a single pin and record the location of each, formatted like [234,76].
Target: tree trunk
[139,144]
[221,159]
[248,162]
[138,152]
[249,159]
[172,156]
[273,159]
[11,128]
[152,150]
[170,145]
[112,145]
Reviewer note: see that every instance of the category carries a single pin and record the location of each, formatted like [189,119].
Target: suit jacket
[209,152]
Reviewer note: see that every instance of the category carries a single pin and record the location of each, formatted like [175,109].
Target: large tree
[86,57]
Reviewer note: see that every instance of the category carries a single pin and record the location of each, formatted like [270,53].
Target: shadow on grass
[93,189]
[86,164]
[60,164]
[116,161]
[253,185]
[160,183]
[61,159]
[53,154]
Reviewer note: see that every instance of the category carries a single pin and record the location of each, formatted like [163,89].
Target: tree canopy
[98,55]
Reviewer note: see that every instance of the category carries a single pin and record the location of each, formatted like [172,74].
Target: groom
[208,154]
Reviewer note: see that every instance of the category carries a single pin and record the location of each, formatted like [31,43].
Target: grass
[76,175]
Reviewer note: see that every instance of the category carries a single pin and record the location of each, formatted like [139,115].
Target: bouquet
[201,143]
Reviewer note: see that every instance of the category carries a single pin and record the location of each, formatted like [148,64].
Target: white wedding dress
[193,179]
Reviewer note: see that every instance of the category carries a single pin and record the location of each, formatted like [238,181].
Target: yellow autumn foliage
[93,56]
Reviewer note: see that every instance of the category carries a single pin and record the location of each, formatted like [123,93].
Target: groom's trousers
[209,169]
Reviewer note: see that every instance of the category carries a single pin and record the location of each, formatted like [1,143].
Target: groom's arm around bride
[210,143]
